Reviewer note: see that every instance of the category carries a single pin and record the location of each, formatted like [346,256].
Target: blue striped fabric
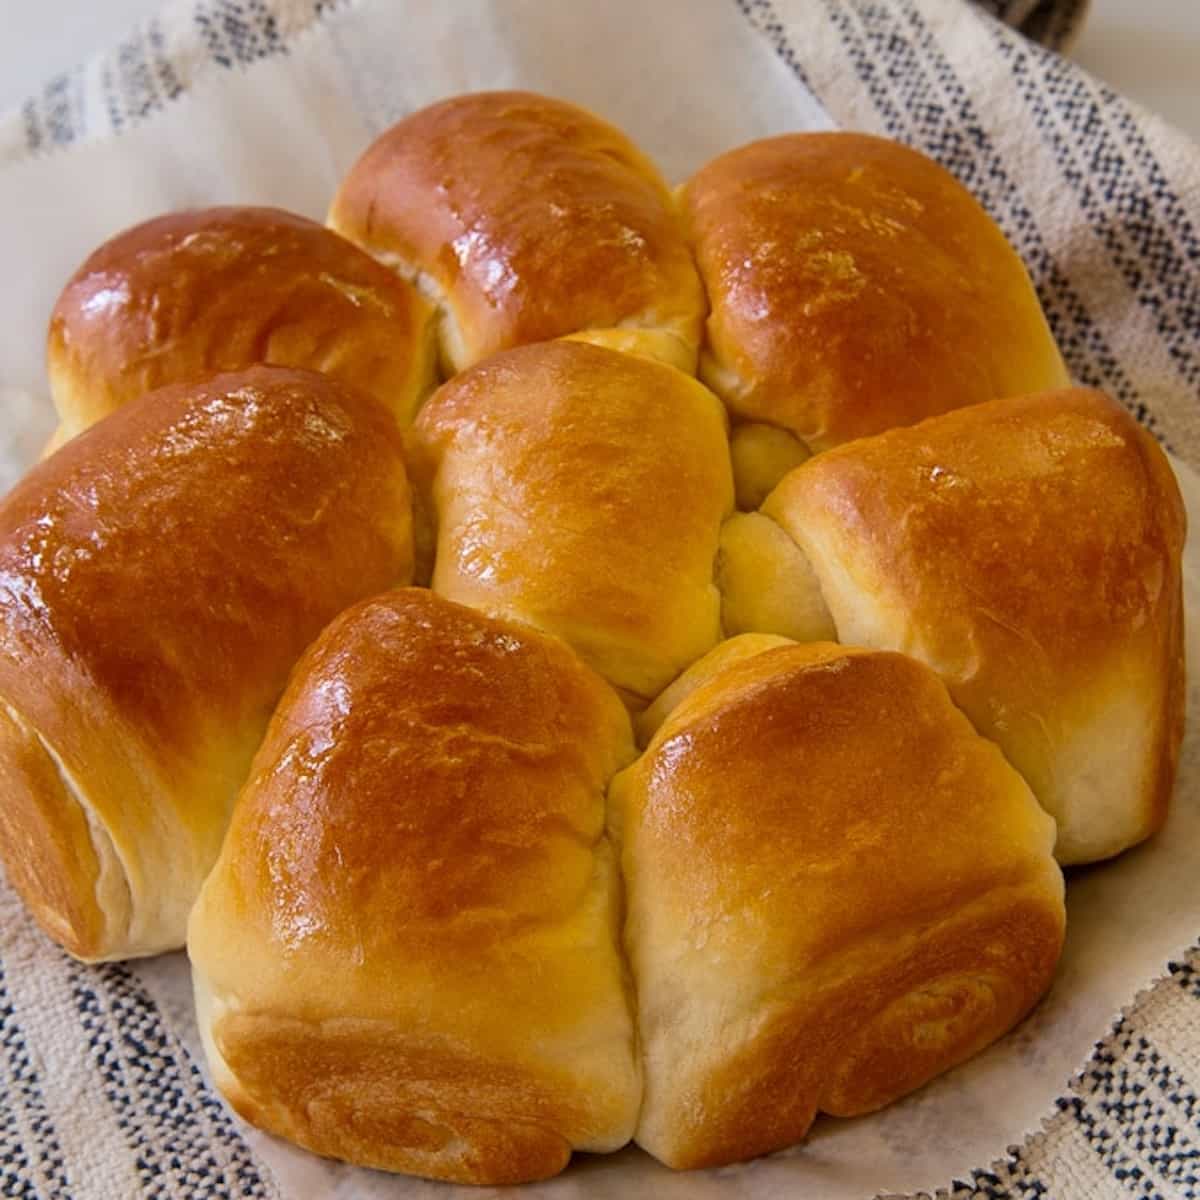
[29,1147]
[1129,1124]
[144,1100]
[172,1121]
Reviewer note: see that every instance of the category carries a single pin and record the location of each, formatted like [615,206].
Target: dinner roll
[855,286]
[1029,551]
[835,890]
[217,289]
[581,490]
[525,218]
[158,578]
[406,955]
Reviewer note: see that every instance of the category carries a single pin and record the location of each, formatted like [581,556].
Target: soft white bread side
[767,584]
[159,576]
[835,890]
[581,490]
[1029,551]
[762,456]
[406,956]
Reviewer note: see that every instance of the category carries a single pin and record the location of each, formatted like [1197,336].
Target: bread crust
[1029,551]
[193,293]
[856,285]
[524,218]
[407,950]
[581,490]
[158,578]
[835,890]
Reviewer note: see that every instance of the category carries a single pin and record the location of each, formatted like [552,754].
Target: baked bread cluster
[575,661]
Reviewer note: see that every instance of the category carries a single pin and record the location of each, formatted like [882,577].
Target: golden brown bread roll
[835,890]
[525,218]
[406,955]
[1029,551]
[581,490]
[158,578]
[192,293]
[855,286]
[410,953]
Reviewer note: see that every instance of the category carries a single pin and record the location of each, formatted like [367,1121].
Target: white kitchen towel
[100,1095]
[164,56]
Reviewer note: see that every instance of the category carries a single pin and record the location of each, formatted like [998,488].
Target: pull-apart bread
[836,890]
[892,612]
[524,218]
[581,490]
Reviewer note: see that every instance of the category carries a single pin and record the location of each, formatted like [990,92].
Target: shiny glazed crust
[524,218]
[407,952]
[1029,551]
[855,285]
[186,295]
[581,490]
[158,578]
[835,889]
[455,926]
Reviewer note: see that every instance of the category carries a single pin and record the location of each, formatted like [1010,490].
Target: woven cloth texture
[100,1097]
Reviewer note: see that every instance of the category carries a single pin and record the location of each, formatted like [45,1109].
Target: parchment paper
[282,133]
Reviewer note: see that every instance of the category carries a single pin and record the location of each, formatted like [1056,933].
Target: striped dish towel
[101,1095]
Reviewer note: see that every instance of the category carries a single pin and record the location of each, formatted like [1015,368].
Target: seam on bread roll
[113,891]
[641,337]
[443,329]
[1033,883]
[800,612]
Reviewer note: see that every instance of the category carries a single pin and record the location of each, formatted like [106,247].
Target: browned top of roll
[217,289]
[1029,550]
[527,217]
[771,771]
[835,890]
[178,526]
[855,286]
[418,741]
